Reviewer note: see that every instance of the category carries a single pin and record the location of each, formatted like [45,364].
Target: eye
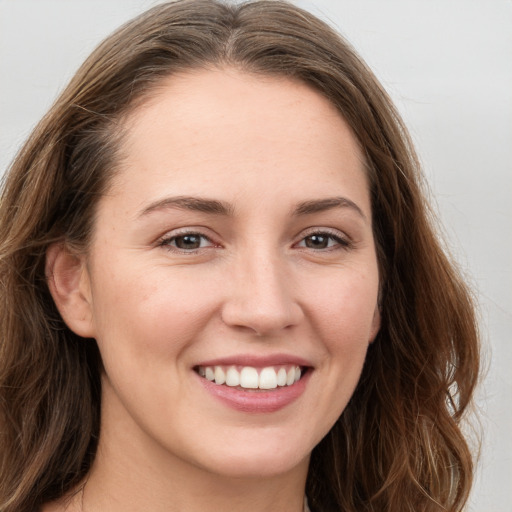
[323,240]
[187,242]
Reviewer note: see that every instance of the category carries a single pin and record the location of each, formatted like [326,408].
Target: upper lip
[257,360]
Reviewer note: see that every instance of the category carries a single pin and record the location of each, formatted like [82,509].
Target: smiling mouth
[251,378]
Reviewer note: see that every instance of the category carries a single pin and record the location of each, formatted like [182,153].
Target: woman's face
[235,243]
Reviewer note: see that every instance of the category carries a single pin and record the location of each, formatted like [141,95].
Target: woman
[220,284]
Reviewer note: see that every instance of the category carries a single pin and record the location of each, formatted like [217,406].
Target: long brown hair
[398,445]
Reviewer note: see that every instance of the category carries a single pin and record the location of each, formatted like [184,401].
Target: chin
[258,459]
[239,467]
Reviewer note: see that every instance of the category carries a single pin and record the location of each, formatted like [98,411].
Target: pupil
[188,242]
[316,242]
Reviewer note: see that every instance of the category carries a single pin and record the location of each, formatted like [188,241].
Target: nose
[261,297]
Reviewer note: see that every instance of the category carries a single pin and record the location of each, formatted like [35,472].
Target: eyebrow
[196,204]
[216,207]
[321,205]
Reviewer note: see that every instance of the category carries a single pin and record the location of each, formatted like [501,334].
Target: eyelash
[339,241]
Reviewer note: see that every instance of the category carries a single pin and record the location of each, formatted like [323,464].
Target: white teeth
[232,377]
[249,378]
[290,377]
[209,373]
[268,379]
[281,377]
[220,376]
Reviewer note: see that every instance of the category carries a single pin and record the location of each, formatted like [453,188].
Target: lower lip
[257,401]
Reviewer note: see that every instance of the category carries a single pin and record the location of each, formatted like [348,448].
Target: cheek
[343,321]
[343,307]
[149,312]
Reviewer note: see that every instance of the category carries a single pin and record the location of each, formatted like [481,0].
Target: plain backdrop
[448,66]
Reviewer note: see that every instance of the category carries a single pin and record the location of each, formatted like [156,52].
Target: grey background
[448,66]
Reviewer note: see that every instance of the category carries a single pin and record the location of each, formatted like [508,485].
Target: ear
[69,284]
[375,327]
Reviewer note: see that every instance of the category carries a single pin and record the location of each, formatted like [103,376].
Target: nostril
[261,319]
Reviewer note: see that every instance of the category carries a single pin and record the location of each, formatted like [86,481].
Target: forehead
[213,128]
